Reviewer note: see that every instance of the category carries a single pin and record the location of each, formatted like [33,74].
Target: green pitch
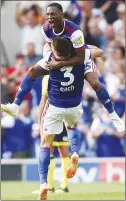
[80,191]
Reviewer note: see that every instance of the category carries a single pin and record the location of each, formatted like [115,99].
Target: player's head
[61,48]
[54,14]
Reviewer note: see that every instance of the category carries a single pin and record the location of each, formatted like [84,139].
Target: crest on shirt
[80,40]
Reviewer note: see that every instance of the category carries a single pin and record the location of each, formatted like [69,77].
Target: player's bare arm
[43,102]
[76,60]
[40,111]
[95,52]
[41,107]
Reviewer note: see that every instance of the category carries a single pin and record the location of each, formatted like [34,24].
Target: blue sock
[25,87]
[44,161]
[104,98]
[73,137]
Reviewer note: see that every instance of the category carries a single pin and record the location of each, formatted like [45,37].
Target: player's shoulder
[46,27]
[70,26]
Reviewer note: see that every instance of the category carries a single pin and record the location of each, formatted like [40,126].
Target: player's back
[65,86]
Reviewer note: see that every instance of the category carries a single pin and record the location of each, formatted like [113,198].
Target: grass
[78,191]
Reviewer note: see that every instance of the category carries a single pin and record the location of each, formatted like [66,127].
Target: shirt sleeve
[77,38]
[45,36]
[45,85]
[87,55]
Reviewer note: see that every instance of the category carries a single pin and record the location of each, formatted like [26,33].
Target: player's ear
[62,15]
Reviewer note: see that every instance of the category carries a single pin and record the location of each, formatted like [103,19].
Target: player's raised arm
[43,102]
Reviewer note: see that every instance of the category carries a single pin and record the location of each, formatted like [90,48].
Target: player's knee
[95,85]
[46,141]
[64,152]
[32,72]
[64,155]
[35,71]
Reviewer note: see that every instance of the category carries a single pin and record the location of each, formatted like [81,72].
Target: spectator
[119,24]
[110,56]
[86,11]
[16,73]
[74,11]
[18,70]
[17,133]
[25,117]
[108,8]
[30,28]
[107,140]
[4,85]
[24,6]
[31,58]
[119,97]
[97,26]
[6,92]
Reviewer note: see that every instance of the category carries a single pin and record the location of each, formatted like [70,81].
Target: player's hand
[54,64]
[46,48]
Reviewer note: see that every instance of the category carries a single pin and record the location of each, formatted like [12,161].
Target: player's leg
[91,76]
[52,124]
[44,161]
[61,141]
[50,173]
[51,170]
[73,137]
[25,87]
[74,145]
[71,119]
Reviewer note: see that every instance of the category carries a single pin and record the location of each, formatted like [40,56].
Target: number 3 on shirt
[67,74]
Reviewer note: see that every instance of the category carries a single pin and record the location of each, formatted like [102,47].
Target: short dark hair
[62,46]
[57,5]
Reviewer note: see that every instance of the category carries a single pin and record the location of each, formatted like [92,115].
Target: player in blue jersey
[65,90]
[64,105]
[55,26]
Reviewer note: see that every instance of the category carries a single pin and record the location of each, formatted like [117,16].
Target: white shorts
[53,118]
[90,66]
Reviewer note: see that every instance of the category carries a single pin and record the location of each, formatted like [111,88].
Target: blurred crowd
[103,24]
